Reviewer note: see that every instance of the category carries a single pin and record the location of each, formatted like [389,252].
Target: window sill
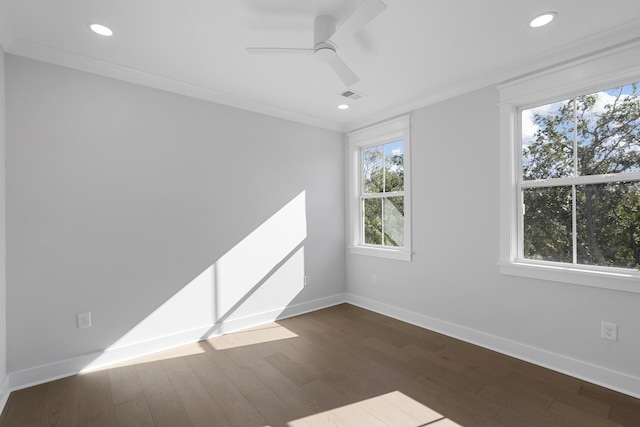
[396,254]
[620,280]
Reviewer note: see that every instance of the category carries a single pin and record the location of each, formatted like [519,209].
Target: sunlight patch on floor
[258,335]
[391,409]
[182,351]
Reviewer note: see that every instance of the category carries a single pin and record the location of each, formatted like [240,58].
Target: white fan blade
[279,50]
[358,19]
[343,71]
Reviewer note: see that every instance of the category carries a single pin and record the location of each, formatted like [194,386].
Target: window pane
[394,221]
[394,166]
[548,224]
[547,141]
[373,169]
[373,221]
[608,222]
[608,124]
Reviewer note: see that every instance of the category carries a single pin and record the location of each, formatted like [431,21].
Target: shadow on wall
[253,282]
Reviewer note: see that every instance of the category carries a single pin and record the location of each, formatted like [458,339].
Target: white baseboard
[4,392]
[88,362]
[608,378]
[618,381]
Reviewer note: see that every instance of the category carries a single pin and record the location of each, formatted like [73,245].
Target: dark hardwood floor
[341,366]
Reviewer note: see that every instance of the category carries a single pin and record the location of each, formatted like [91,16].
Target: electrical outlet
[609,331]
[84,320]
[374,280]
[307,281]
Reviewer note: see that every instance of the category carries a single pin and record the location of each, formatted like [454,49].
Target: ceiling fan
[326,38]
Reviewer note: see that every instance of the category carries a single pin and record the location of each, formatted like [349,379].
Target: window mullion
[574,221]
[382,218]
[361,220]
[384,171]
[574,225]
[360,179]
[520,211]
[575,137]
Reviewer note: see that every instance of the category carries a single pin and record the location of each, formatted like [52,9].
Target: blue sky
[529,128]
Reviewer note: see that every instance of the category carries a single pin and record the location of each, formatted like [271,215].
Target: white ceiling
[415,53]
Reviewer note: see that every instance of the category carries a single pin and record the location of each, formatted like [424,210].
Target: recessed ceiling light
[343,106]
[101,29]
[542,20]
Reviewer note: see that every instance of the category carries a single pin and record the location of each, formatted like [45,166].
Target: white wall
[453,284]
[3,238]
[145,207]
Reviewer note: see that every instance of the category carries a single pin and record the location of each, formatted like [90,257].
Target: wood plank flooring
[342,366]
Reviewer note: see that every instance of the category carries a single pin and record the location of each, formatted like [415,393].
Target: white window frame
[382,133]
[605,70]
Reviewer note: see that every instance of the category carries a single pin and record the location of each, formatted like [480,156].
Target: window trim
[382,133]
[606,69]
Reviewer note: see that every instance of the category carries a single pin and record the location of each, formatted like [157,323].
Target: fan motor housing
[325,50]
[323,27]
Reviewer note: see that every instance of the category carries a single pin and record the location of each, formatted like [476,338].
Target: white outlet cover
[609,331]
[84,320]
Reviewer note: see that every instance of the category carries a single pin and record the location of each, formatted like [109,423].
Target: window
[570,173]
[380,198]
[580,180]
[382,194]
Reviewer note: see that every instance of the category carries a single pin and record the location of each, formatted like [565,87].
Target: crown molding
[75,61]
[618,38]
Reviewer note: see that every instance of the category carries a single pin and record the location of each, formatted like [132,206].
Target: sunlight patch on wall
[261,274]
[258,257]
[395,408]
